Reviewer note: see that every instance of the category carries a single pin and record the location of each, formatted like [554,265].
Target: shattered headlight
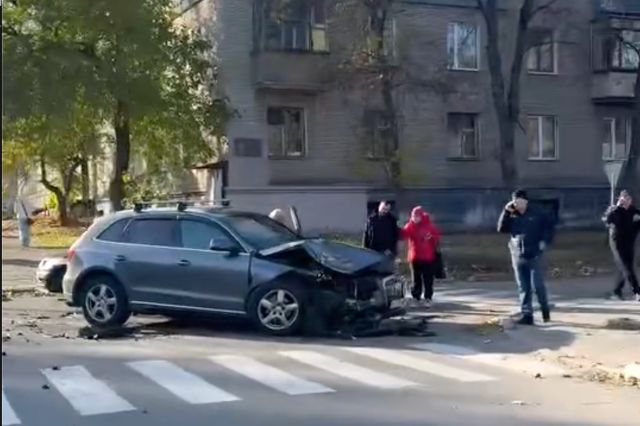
[393,287]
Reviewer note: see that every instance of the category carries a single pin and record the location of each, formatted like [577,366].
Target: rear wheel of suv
[278,308]
[104,302]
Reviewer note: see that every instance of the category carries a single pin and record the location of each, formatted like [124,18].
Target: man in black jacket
[381,233]
[531,233]
[623,221]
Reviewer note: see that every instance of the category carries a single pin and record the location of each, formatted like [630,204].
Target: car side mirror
[223,244]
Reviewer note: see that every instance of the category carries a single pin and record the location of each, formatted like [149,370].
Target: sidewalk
[589,335]
[19,265]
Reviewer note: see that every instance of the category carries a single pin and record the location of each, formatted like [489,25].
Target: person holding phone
[531,233]
[623,221]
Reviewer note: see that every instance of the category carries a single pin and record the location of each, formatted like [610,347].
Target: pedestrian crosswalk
[88,395]
[294,372]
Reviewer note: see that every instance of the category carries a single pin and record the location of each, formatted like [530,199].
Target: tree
[378,69]
[45,147]
[150,79]
[505,89]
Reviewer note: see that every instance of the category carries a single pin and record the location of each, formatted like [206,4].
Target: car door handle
[184,263]
[119,258]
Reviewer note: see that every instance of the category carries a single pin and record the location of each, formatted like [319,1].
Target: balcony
[613,87]
[291,70]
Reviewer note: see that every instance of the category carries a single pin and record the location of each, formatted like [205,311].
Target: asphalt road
[226,375]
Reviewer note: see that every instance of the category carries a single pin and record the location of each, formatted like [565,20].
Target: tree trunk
[84,181]
[61,199]
[378,16]
[506,103]
[121,157]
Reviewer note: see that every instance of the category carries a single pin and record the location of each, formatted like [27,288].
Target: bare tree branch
[188,8]
[542,8]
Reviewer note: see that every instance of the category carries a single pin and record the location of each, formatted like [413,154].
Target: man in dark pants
[623,221]
[531,233]
[382,233]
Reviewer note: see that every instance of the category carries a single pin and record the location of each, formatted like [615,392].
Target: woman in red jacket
[423,239]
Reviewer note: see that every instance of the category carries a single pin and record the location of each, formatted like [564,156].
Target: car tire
[278,300]
[104,302]
[54,282]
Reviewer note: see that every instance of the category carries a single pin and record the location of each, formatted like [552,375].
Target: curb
[632,373]
[21,289]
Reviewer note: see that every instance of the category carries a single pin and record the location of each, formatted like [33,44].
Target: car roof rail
[181,205]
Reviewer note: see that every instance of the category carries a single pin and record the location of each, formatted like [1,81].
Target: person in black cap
[531,233]
[623,221]
[382,233]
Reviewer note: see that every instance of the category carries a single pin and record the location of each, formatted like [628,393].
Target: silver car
[220,261]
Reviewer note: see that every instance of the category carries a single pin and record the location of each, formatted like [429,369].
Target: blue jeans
[529,272]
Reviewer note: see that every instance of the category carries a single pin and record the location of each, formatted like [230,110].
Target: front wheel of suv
[278,308]
[104,302]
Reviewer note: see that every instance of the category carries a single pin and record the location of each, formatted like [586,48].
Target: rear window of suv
[115,232]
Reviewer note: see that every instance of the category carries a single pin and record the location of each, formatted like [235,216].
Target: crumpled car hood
[339,257]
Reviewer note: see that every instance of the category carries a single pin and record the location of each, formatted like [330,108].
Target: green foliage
[51,202]
[68,62]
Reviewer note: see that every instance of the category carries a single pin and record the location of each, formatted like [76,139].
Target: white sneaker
[427,303]
[413,303]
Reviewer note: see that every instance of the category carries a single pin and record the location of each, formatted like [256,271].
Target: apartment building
[306,135]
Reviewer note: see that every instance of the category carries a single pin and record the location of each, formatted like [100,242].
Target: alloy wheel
[278,310]
[101,303]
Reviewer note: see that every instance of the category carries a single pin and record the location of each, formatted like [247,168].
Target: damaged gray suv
[172,261]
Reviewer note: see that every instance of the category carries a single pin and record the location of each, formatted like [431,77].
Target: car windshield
[261,232]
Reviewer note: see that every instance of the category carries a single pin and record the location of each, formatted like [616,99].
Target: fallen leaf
[538,376]
[45,387]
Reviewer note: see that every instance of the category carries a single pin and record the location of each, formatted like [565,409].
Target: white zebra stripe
[515,362]
[186,386]
[270,376]
[420,364]
[348,370]
[86,394]
[9,417]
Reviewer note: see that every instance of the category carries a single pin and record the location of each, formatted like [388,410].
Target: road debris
[518,402]
[623,324]
[45,387]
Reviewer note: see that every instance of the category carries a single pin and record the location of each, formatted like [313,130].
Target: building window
[293,26]
[615,51]
[617,138]
[542,57]
[463,136]
[379,131]
[542,133]
[286,132]
[625,51]
[463,42]
[388,40]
